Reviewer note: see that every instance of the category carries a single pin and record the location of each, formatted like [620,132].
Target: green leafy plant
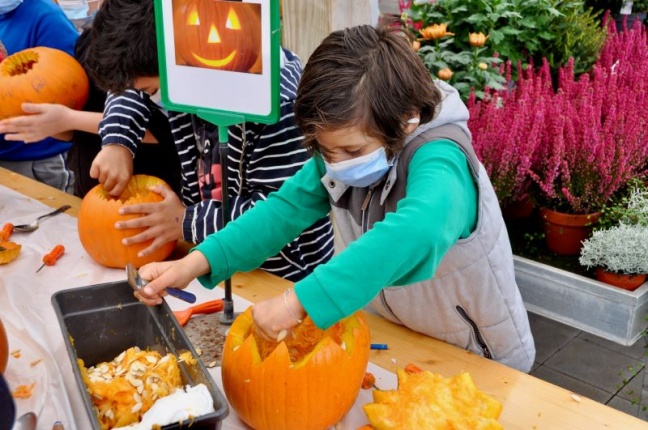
[517,30]
[629,207]
[470,69]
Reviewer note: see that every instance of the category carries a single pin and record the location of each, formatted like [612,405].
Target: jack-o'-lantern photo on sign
[216,34]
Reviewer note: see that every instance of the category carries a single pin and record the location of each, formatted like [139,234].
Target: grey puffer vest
[472,301]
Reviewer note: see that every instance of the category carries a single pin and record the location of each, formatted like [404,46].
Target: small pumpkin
[9,252]
[217,34]
[41,75]
[310,380]
[99,212]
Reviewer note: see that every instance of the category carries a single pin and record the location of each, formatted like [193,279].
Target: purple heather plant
[574,147]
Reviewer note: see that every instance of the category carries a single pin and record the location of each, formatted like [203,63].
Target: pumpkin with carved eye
[217,34]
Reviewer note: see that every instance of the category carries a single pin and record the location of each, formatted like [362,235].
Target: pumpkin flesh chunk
[431,401]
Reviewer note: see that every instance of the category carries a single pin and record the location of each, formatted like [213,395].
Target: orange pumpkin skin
[217,35]
[98,214]
[41,75]
[4,348]
[310,394]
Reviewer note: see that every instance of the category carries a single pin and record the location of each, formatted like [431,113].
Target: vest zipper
[366,205]
[478,337]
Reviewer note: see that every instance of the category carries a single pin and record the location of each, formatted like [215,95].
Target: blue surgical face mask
[361,171]
[7,6]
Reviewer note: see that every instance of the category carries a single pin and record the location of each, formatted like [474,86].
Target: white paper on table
[28,314]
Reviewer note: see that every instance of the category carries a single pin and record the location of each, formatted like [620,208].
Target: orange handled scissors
[54,254]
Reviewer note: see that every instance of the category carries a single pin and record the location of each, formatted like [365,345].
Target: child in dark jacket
[261,157]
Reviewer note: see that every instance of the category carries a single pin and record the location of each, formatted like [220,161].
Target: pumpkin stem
[20,63]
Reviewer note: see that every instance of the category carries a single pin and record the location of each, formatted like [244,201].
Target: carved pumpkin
[309,380]
[4,348]
[217,34]
[97,217]
[9,252]
[41,75]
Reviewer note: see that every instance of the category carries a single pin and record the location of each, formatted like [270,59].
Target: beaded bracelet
[292,314]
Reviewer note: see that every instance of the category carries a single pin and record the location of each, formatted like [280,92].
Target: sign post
[219,60]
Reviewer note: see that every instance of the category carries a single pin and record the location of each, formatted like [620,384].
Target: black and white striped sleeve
[125,118]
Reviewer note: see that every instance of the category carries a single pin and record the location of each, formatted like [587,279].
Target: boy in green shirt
[423,242]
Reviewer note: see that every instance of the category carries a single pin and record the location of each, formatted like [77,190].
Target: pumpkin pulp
[21,63]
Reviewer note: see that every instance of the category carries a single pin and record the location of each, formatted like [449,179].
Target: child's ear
[411,124]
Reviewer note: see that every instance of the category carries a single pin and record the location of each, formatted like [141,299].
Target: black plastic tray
[103,320]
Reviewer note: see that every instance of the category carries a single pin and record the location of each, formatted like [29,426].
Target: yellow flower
[416,45]
[445,74]
[435,31]
[483,66]
[477,39]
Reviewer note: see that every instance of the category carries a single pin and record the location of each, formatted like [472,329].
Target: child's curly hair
[366,77]
[123,45]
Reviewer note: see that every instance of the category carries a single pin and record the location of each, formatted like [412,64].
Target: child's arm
[48,120]
[124,124]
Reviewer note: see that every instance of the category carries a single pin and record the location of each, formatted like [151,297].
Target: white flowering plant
[620,249]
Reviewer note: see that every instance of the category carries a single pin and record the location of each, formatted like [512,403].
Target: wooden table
[529,403]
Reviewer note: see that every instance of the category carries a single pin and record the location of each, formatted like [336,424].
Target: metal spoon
[26,228]
[26,422]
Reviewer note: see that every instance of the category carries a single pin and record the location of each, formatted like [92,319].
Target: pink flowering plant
[506,129]
[595,129]
[573,148]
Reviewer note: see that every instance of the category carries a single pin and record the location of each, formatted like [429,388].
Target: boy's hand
[163,220]
[113,167]
[45,120]
[166,274]
[274,315]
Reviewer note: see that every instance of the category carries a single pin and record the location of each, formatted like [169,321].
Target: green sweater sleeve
[262,231]
[439,208]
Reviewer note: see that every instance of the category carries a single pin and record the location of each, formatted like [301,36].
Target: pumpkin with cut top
[99,212]
[309,380]
[41,75]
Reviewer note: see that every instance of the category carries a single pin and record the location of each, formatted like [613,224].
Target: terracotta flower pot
[4,348]
[565,233]
[628,282]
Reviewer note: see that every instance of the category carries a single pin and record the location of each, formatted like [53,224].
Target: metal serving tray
[100,321]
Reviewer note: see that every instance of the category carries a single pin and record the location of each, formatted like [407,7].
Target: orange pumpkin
[97,217]
[4,348]
[309,380]
[41,75]
[217,34]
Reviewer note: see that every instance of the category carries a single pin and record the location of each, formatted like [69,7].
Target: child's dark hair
[123,46]
[366,77]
